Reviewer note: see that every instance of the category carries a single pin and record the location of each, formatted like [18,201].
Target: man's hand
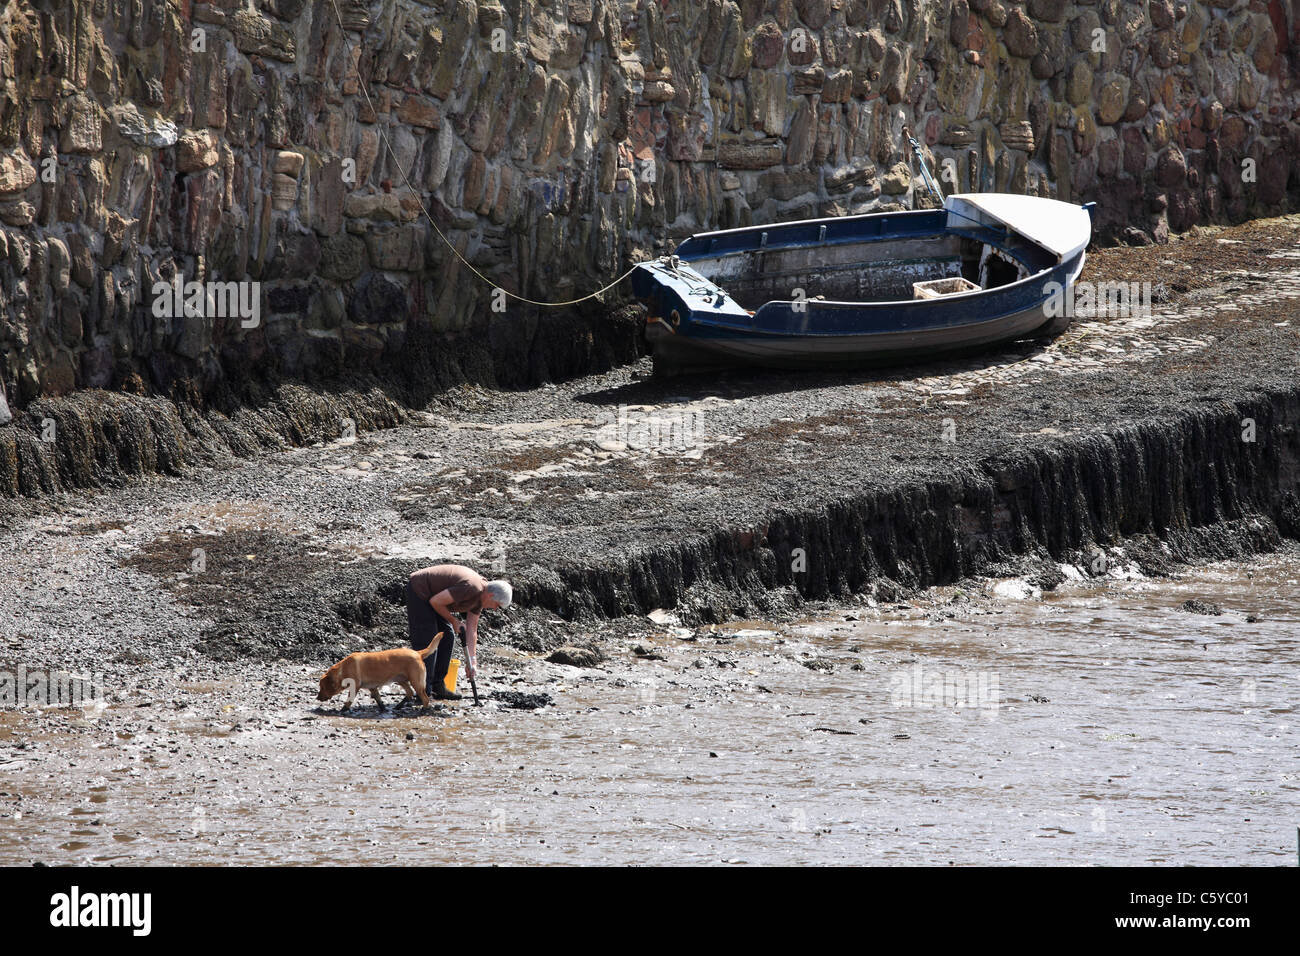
[471,668]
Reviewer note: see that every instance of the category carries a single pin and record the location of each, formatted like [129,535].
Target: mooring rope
[405,179]
[925,170]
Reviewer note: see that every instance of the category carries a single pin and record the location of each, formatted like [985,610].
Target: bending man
[434,596]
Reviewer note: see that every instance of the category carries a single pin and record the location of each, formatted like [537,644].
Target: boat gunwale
[699,320]
[699,316]
[822,220]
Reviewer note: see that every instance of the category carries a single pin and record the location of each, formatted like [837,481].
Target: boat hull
[1027,314]
[696,323]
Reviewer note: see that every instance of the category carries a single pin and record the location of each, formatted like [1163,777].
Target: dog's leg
[352,695]
[379,701]
[419,685]
[410,695]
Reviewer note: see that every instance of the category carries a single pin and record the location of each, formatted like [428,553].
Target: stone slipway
[786,487]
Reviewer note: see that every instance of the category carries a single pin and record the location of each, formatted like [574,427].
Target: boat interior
[860,259]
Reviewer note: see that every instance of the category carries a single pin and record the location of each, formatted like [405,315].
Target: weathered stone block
[658,91]
[260,35]
[196,150]
[749,155]
[838,87]
[897,180]
[378,299]
[1018,136]
[400,249]
[768,45]
[1053,11]
[1113,101]
[809,81]
[381,207]
[153,132]
[284,191]
[419,111]
[580,11]
[342,257]
[1164,48]
[17,172]
[1171,167]
[1020,35]
[83,262]
[17,212]
[289,163]
[83,129]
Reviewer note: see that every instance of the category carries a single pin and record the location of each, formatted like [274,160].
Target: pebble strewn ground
[208,603]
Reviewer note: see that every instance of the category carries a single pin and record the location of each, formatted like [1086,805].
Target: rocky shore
[750,494]
[625,717]
[719,580]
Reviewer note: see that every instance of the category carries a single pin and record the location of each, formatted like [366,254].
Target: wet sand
[1100,723]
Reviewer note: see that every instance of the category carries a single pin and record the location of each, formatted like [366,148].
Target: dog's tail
[433,646]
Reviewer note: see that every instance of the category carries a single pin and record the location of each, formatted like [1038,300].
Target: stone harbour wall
[554,142]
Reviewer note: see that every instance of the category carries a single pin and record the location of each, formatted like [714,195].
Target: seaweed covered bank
[1064,699]
[1173,433]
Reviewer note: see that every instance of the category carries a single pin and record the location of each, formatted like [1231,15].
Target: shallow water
[1098,724]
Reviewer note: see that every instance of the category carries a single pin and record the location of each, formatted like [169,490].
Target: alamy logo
[1110,300]
[75,909]
[40,688]
[642,430]
[917,687]
[213,300]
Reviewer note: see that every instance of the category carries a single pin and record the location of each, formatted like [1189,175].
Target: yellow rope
[366,93]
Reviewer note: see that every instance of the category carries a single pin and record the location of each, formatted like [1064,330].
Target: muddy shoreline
[744,495]
[1122,720]
[724,556]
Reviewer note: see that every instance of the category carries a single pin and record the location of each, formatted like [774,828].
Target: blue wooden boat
[881,288]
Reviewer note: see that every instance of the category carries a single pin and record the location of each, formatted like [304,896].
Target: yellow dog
[371,670]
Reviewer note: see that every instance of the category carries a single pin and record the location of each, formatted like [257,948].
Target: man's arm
[441,604]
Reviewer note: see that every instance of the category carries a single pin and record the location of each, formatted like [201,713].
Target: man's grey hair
[501,592]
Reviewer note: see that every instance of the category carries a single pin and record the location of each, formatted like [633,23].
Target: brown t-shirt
[466,586]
